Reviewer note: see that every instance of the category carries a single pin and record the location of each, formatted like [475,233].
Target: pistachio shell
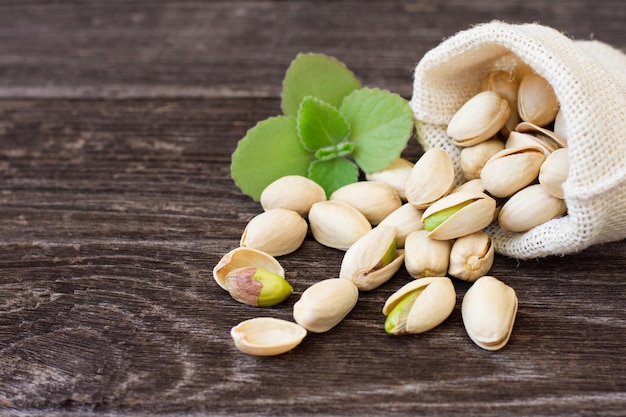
[554,172]
[241,258]
[471,256]
[560,126]
[481,117]
[267,336]
[395,176]
[406,219]
[510,170]
[324,304]
[536,101]
[530,207]
[477,213]
[430,308]
[506,84]
[431,178]
[523,140]
[375,199]
[292,192]
[488,310]
[276,231]
[547,137]
[473,158]
[337,224]
[426,257]
[471,186]
[363,261]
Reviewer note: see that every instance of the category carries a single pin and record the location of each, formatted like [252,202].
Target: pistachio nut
[395,176]
[459,214]
[372,259]
[426,257]
[512,169]
[506,84]
[523,140]
[324,304]
[473,158]
[276,231]
[488,311]
[431,178]
[471,186]
[267,336]
[480,118]
[554,172]
[243,257]
[337,224]
[375,199]
[560,126]
[530,207]
[257,286]
[406,219]
[471,256]
[292,192]
[547,137]
[419,306]
[536,101]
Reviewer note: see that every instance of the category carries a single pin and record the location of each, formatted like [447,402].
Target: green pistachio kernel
[257,286]
[390,254]
[396,320]
[275,288]
[434,220]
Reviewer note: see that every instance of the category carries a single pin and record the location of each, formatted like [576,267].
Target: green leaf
[381,124]
[335,151]
[270,150]
[333,174]
[319,76]
[320,124]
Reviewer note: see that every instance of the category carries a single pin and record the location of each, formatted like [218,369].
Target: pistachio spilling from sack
[406,219]
[510,170]
[431,178]
[395,176]
[426,257]
[530,207]
[375,199]
[536,101]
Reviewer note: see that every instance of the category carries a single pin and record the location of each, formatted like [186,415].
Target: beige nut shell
[267,336]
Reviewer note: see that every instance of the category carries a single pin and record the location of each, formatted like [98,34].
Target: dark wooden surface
[117,122]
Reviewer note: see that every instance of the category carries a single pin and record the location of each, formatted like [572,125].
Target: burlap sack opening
[589,80]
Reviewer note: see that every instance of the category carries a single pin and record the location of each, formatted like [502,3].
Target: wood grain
[117,124]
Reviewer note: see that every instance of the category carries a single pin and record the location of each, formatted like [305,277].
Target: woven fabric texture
[589,79]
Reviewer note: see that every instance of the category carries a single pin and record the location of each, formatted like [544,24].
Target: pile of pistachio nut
[411,215]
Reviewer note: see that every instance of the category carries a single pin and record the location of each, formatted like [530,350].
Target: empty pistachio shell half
[431,178]
[506,84]
[471,256]
[488,310]
[406,219]
[395,176]
[267,336]
[547,137]
[474,158]
[554,172]
[243,257]
[512,169]
[257,286]
[426,257]
[481,117]
[276,231]
[375,199]
[459,214]
[372,259]
[419,306]
[292,192]
[530,207]
[337,224]
[536,101]
[324,304]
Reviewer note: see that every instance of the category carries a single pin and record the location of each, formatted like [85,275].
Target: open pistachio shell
[324,304]
[375,199]
[276,231]
[395,176]
[474,158]
[292,192]
[431,178]
[512,169]
[267,336]
[372,259]
[427,302]
[536,101]
[471,256]
[241,258]
[506,84]
[530,207]
[459,214]
[426,257]
[554,172]
[480,118]
[406,219]
[488,310]
[337,224]
[549,138]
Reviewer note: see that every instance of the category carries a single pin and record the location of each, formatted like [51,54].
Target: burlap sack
[589,79]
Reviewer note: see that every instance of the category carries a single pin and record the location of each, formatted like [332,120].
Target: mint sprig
[331,127]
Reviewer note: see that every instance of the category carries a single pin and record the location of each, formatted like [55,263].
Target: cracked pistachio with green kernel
[257,286]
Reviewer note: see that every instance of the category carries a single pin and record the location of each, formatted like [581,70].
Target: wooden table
[117,122]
